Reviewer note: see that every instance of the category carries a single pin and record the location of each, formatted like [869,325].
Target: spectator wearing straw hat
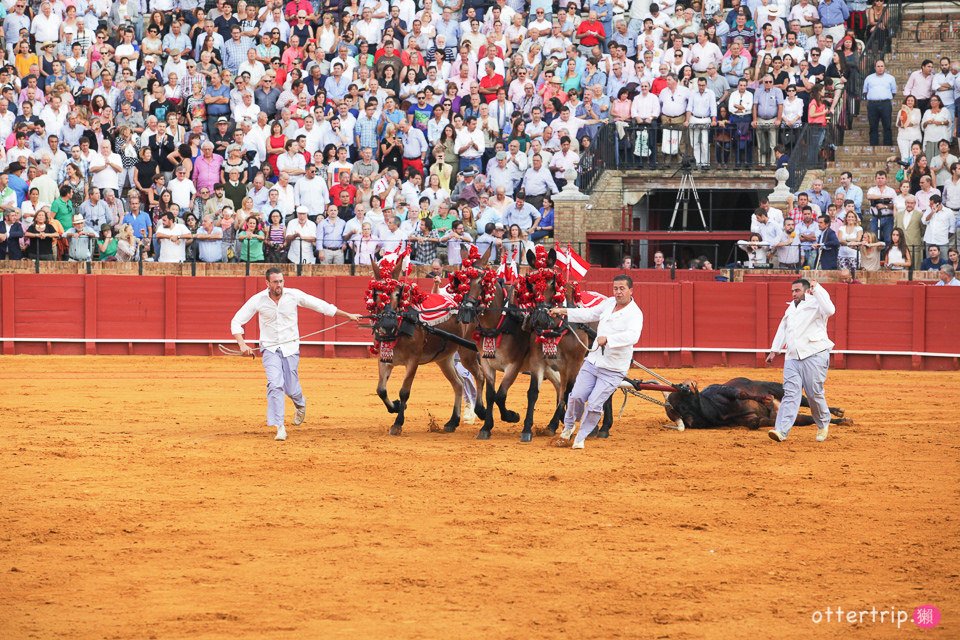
[81,239]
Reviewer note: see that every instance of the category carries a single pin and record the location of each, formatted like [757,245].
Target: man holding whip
[280,342]
[803,334]
[608,362]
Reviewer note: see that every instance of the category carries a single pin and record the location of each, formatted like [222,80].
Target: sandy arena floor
[145,498]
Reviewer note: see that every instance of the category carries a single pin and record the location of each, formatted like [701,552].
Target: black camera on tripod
[687,164]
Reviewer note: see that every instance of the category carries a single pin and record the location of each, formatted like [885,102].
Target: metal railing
[734,145]
[817,144]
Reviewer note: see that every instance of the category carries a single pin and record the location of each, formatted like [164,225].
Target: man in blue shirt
[948,277]
[18,184]
[850,191]
[878,90]
[833,15]
[139,219]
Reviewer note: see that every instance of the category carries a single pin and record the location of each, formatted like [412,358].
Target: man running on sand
[280,342]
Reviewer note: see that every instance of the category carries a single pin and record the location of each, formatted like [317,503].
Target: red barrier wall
[685,323]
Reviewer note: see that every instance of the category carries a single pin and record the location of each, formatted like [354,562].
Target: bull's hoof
[603,433]
[449,428]
[526,436]
[483,435]
[395,430]
[510,416]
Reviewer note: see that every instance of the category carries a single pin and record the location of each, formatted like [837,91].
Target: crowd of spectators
[908,218]
[334,131]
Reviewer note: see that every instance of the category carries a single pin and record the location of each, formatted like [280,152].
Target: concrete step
[853,166]
[865,151]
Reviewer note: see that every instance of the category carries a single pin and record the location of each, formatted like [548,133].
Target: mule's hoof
[839,412]
[481,411]
[449,428]
[603,433]
[510,416]
[483,435]
[845,422]
[526,436]
[395,430]
[394,407]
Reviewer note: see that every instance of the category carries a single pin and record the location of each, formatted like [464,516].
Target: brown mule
[403,340]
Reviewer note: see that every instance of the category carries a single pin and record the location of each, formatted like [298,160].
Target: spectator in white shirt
[301,235]
[174,238]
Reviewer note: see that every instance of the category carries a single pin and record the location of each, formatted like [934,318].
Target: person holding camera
[881,198]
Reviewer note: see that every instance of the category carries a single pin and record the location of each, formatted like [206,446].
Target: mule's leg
[510,373]
[560,411]
[385,369]
[490,380]
[536,379]
[607,422]
[563,390]
[411,372]
[450,373]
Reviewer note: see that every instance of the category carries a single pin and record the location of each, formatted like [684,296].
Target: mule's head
[386,324]
[388,300]
[468,282]
[542,285]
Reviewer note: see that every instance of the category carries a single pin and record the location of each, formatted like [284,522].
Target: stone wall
[603,211]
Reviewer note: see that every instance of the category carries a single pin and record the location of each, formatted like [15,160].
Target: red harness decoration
[378,296]
[533,292]
[460,281]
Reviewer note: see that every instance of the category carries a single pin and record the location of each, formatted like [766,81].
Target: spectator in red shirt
[660,82]
[590,33]
[343,186]
[292,7]
[490,83]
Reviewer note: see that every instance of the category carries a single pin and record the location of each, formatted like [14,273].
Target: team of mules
[498,322]
[400,337]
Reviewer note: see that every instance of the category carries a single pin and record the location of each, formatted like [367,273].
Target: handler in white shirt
[280,342]
[803,334]
[621,322]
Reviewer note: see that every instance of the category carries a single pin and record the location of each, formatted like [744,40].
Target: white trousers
[807,375]
[282,379]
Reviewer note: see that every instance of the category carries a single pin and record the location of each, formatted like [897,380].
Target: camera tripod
[687,188]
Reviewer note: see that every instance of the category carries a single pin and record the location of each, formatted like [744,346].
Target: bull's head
[683,405]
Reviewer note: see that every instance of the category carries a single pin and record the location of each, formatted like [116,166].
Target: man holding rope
[280,342]
[608,362]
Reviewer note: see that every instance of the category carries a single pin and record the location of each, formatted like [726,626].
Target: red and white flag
[575,266]
[508,270]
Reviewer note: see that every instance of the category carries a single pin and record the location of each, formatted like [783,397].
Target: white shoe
[566,434]
[578,444]
[776,435]
[822,434]
[281,433]
[301,415]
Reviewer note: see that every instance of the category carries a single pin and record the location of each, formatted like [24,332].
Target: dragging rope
[236,352]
